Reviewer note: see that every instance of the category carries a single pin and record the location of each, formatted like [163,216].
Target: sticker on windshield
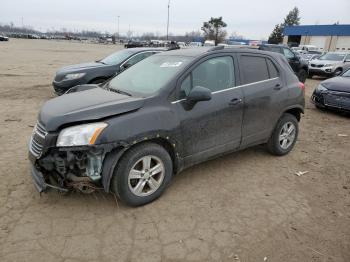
[171,64]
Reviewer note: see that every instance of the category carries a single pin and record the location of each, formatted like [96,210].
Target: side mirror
[198,93]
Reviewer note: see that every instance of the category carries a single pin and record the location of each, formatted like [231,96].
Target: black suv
[166,113]
[299,66]
[101,70]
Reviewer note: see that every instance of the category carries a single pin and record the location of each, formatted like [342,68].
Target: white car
[329,64]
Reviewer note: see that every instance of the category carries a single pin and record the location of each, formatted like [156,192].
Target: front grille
[337,99]
[314,65]
[37,140]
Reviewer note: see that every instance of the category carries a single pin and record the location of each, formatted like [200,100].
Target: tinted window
[215,74]
[137,58]
[272,69]
[254,69]
[288,54]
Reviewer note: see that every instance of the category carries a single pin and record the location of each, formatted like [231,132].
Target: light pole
[118,29]
[167,28]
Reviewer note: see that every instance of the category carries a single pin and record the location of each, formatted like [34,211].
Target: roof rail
[215,48]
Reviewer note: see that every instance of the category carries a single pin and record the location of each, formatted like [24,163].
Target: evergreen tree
[291,19]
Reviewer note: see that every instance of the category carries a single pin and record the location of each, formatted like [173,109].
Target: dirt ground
[247,206]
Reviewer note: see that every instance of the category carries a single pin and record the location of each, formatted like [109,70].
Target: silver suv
[329,64]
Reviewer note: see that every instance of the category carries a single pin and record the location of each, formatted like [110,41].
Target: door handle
[235,101]
[277,87]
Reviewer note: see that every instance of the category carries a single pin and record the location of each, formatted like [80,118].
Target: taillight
[302,86]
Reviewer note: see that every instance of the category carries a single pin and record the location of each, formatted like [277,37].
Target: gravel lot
[246,206]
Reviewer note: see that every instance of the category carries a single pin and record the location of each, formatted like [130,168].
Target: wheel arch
[295,111]
[112,158]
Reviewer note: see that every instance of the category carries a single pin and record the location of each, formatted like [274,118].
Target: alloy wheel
[146,176]
[287,135]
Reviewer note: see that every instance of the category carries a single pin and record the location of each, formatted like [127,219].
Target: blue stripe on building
[317,30]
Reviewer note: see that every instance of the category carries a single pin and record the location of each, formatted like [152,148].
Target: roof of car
[141,49]
[195,52]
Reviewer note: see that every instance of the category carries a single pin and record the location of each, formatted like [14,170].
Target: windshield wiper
[118,91]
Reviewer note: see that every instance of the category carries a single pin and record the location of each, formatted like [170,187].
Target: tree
[276,35]
[291,19]
[213,29]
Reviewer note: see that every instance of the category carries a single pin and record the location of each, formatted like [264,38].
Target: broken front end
[68,160]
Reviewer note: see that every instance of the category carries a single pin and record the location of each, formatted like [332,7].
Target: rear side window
[254,69]
[272,69]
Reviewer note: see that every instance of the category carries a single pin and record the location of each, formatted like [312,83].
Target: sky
[254,19]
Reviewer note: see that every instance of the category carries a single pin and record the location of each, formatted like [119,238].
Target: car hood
[79,67]
[89,105]
[341,84]
[324,62]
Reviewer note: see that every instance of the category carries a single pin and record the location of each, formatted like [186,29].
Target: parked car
[329,64]
[333,93]
[133,44]
[3,38]
[169,112]
[309,49]
[299,66]
[101,70]
[309,57]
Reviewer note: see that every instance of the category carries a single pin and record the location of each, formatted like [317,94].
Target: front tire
[302,75]
[142,174]
[284,135]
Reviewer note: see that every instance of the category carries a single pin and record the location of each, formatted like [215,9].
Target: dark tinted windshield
[332,57]
[117,57]
[149,75]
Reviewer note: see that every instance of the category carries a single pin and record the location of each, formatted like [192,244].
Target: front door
[210,127]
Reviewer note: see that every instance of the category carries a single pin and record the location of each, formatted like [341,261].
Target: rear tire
[284,135]
[142,174]
[302,75]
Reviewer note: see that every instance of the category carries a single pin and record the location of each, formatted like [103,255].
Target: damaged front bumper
[66,169]
[84,168]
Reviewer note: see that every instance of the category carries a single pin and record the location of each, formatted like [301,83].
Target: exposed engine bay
[73,169]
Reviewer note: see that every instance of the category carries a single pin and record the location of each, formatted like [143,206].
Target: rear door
[262,88]
[210,127]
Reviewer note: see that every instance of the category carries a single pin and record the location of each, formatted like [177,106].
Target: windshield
[117,57]
[332,57]
[149,75]
[346,73]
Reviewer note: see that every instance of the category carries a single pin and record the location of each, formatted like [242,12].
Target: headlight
[80,135]
[74,76]
[321,88]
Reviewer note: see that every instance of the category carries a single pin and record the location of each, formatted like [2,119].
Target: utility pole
[167,28]
[118,29]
